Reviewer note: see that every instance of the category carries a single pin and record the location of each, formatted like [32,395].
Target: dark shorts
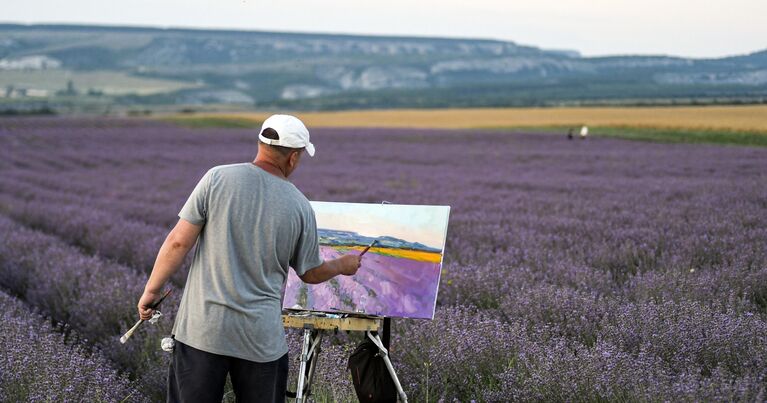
[198,376]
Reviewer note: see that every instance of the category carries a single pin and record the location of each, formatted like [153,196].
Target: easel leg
[310,350]
[385,354]
[314,356]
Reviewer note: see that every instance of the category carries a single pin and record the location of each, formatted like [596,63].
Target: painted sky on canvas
[424,224]
[689,28]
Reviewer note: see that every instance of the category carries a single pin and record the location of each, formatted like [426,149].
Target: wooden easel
[314,324]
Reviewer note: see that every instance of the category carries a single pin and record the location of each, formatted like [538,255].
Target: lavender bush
[39,364]
[575,270]
[96,232]
[94,297]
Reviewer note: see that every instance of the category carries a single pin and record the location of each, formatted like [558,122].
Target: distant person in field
[584,132]
[250,225]
[570,133]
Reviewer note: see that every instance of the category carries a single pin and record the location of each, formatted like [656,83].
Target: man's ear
[294,158]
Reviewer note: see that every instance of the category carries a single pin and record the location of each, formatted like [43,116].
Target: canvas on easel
[399,276]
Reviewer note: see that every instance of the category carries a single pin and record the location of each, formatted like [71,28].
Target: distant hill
[93,66]
[350,238]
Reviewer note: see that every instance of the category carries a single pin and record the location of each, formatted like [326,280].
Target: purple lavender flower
[39,363]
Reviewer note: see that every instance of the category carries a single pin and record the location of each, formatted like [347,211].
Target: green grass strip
[661,135]
[205,122]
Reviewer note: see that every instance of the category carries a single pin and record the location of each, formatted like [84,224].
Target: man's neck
[270,167]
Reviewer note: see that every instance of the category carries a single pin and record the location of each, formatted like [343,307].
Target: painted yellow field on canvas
[752,118]
[421,256]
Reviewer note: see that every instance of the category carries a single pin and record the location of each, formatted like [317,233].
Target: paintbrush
[155,305]
[368,247]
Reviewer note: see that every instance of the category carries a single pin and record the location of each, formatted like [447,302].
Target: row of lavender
[39,364]
[93,297]
[605,269]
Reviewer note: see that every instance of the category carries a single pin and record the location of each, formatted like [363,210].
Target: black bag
[371,378]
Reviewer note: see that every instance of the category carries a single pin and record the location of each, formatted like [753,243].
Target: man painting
[250,225]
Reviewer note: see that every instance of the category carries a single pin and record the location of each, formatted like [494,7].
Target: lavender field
[594,270]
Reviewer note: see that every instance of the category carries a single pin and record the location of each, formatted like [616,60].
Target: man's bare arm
[179,242]
[345,265]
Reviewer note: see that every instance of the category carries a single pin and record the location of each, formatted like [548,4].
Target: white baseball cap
[292,133]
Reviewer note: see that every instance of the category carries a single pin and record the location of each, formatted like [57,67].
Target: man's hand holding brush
[146,304]
[346,265]
[149,307]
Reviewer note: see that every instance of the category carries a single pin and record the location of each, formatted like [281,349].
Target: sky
[690,28]
[424,224]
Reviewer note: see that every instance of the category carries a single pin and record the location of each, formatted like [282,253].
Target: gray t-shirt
[255,226]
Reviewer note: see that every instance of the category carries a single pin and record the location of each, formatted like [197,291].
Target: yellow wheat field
[738,118]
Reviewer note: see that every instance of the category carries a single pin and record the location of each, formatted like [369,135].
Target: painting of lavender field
[400,274]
